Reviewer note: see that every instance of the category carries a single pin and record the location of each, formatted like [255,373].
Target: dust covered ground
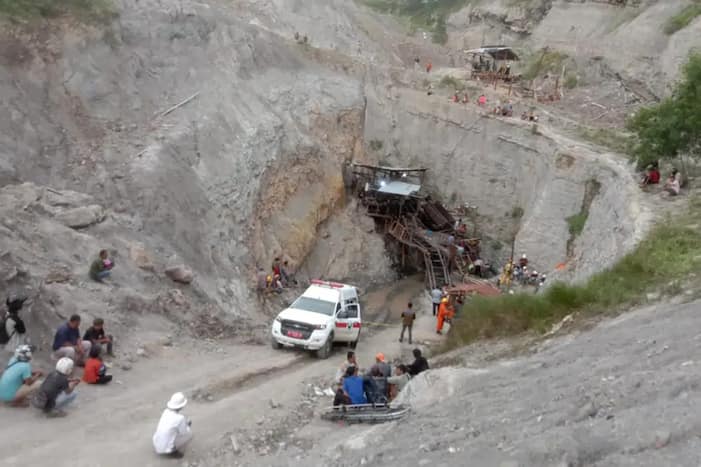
[623,393]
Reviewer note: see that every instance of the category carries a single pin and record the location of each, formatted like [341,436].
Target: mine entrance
[421,232]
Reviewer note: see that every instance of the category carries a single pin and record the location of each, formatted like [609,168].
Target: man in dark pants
[408,317]
[96,335]
[420,363]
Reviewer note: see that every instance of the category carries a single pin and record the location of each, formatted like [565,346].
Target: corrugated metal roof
[398,188]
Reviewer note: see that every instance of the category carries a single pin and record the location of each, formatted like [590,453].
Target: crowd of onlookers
[22,385]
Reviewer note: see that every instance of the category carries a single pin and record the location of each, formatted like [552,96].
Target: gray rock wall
[501,164]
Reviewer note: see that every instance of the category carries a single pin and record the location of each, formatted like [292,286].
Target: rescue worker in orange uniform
[445,313]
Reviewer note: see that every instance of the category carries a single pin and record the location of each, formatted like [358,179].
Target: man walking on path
[408,317]
[436,295]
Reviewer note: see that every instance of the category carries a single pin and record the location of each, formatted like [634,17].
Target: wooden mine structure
[425,232]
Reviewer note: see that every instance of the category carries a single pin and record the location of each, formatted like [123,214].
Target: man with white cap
[18,381]
[56,391]
[173,432]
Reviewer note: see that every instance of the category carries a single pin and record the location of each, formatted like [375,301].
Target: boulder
[85,216]
[140,257]
[180,273]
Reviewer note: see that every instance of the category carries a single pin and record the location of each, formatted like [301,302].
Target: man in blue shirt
[67,342]
[353,386]
[18,381]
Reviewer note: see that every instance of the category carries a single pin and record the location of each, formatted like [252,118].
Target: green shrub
[576,223]
[682,19]
[571,81]
[542,62]
[452,83]
[96,11]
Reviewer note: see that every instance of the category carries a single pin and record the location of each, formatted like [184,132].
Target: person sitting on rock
[482,101]
[354,387]
[13,328]
[419,365]
[95,369]
[398,381]
[652,176]
[96,336]
[173,432]
[286,274]
[57,390]
[350,361]
[272,284]
[673,185]
[67,342]
[341,398]
[507,110]
[18,381]
[101,268]
[523,261]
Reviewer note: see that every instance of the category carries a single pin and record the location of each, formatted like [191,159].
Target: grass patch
[451,83]
[608,138]
[544,61]
[670,252]
[576,223]
[682,19]
[376,145]
[571,81]
[89,11]
[422,15]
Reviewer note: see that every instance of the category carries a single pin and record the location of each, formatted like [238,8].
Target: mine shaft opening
[421,234]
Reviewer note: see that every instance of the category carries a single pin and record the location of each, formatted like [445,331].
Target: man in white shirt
[173,432]
[436,296]
[350,361]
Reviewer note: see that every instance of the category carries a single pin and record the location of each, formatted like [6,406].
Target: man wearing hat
[18,380]
[173,432]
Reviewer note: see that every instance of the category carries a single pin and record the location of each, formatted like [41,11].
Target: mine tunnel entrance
[421,233]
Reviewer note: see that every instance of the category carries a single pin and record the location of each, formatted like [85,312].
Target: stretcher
[365,413]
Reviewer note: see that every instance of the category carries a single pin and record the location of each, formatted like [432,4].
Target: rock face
[501,165]
[180,273]
[244,171]
[81,217]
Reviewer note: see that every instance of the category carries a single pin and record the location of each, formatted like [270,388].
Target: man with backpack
[12,328]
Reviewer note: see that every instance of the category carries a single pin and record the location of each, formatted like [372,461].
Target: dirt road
[238,384]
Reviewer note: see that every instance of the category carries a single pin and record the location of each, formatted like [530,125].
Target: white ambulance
[325,313]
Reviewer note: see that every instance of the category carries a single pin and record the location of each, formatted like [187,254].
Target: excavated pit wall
[501,165]
[246,170]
